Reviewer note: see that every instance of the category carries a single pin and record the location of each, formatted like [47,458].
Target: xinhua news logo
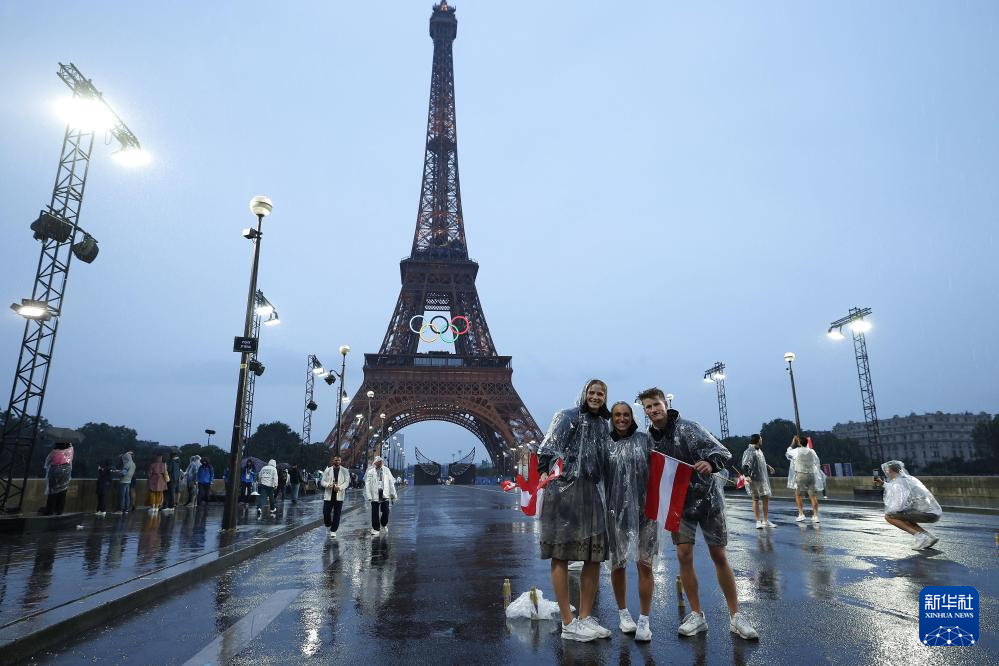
[948,616]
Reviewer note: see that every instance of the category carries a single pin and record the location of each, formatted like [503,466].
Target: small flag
[741,481]
[667,490]
[531,488]
[809,439]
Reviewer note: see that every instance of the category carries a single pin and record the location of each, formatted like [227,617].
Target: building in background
[920,439]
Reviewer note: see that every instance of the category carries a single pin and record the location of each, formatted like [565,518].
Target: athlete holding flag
[704,505]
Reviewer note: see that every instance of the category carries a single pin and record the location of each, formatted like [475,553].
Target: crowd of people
[594,507]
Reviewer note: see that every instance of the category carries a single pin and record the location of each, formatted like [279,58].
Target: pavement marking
[234,639]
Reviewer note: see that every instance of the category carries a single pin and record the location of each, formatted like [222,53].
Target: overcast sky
[649,187]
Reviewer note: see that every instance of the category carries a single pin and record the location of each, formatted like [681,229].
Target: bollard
[679,591]
[506,592]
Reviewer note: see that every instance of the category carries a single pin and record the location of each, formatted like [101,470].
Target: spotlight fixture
[255,366]
[312,406]
[86,250]
[31,309]
[329,378]
[51,227]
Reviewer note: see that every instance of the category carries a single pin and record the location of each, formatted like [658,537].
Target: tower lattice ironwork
[473,386]
[857,325]
[716,374]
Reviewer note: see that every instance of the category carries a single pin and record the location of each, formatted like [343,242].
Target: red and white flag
[532,490]
[667,491]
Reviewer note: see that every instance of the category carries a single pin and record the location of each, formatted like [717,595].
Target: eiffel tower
[473,386]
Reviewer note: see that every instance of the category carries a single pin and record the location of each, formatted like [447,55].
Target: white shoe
[375,532]
[575,566]
[920,541]
[600,631]
[332,534]
[800,518]
[931,540]
[759,524]
[626,623]
[643,633]
[384,529]
[577,631]
[769,524]
[740,625]
[273,511]
[259,512]
[815,519]
[97,513]
[693,624]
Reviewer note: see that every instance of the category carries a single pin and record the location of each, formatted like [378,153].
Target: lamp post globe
[261,206]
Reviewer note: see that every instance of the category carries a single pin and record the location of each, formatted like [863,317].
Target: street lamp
[344,350]
[669,401]
[261,207]
[716,374]
[858,325]
[209,432]
[789,357]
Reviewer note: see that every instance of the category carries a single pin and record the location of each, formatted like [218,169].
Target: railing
[436,360]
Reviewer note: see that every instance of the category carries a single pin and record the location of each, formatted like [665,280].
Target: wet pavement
[40,571]
[844,591]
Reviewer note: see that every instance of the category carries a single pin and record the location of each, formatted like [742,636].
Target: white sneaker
[920,541]
[97,513]
[800,518]
[259,512]
[332,534]
[769,524]
[643,633]
[384,529]
[375,532]
[600,631]
[693,624]
[740,625]
[626,623]
[577,631]
[759,524]
[575,566]
[815,519]
[931,539]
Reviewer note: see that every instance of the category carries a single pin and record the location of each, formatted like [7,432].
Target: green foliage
[986,438]
[278,441]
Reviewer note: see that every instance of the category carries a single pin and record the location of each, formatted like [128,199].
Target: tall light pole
[858,325]
[371,431]
[716,374]
[344,350]
[57,228]
[789,357]
[669,401]
[261,207]
[209,432]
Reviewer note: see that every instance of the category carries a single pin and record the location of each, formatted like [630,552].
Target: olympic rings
[439,331]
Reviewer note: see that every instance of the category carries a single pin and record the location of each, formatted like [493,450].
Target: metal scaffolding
[858,325]
[716,374]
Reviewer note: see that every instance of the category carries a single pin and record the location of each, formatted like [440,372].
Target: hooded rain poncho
[907,494]
[574,503]
[754,465]
[690,442]
[804,461]
[632,536]
[58,470]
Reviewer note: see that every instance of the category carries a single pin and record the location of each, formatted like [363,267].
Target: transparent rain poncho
[804,461]
[906,493]
[690,442]
[58,471]
[574,504]
[754,466]
[633,537]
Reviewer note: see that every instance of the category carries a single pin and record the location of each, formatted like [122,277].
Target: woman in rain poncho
[908,503]
[58,474]
[633,537]
[805,473]
[573,514]
[757,471]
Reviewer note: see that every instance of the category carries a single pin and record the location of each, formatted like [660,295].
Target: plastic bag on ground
[523,607]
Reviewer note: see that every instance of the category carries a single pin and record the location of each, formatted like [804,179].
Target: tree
[986,439]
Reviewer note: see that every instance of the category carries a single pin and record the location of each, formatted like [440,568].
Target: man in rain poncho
[573,514]
[757,471]
[632,536]
[704,506]
[908,503]
[805,474]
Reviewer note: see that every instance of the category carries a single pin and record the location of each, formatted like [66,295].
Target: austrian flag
[667,491]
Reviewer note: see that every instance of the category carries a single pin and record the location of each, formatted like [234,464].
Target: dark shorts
[713,527]
[593,549]
[914,516]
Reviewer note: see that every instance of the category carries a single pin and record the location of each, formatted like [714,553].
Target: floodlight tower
[313,367]
[262,308]
[858,325]
[716,374]
[57,227]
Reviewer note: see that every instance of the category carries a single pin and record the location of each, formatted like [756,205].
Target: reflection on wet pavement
[431,590]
